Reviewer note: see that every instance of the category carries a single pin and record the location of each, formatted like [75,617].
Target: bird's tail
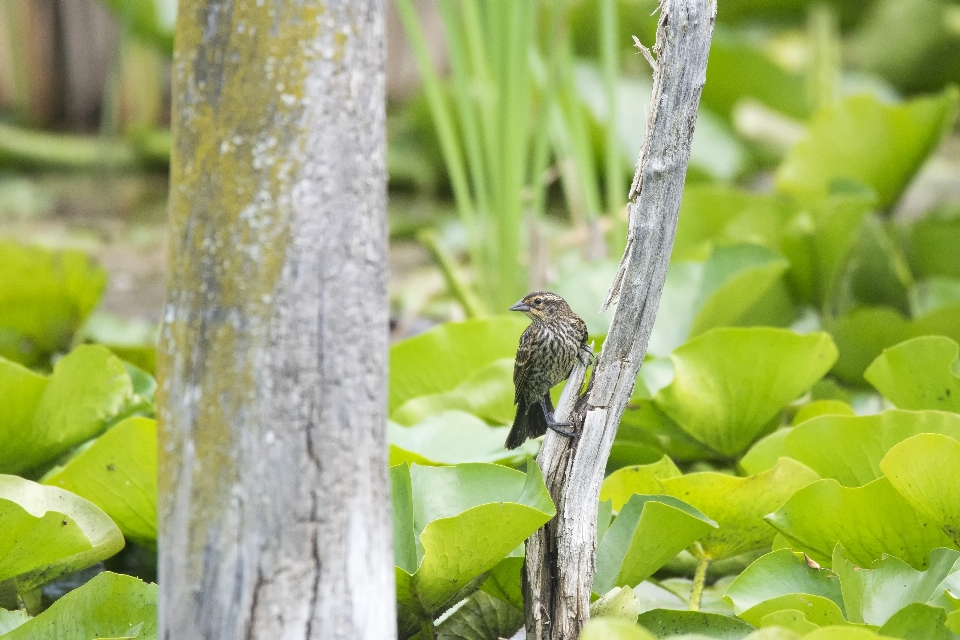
[529,423]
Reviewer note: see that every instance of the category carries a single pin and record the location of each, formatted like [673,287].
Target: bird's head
[541,305]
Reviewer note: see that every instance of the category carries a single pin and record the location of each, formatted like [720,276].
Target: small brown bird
[548,349]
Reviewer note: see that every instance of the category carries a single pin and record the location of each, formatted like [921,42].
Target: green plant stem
[427,630]
[824,38]
[616,186]
[460,290]
[699,579]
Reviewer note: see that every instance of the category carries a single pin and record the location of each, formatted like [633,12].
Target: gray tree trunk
[561,557]
[274,498]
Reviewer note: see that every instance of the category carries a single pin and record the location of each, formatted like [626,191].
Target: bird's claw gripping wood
[553,424]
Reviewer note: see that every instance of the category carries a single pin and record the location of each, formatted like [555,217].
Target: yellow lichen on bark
[238,84]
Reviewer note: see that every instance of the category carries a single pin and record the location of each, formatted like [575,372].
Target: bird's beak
[520,306]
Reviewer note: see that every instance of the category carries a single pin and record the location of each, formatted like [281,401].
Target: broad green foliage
[869,521]
[619,602]
[444,357]
[109,606]
[623,483]
[118,473]
[925,469]
[666,623]
[487,393]
[729,383]
[922,373]
[859,443]
[44,298]
[453,524]
[784,589]
[934,245]
[503,581]
[48,533]
[864,333]
[452,437]
[735,285]
[864,140]
[648,532]
[481,617]
[88,387]
[777,574]
[873,594]
[613,629]
[737,505]
[10,620]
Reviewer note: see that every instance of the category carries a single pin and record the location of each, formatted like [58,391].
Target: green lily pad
[45,296]
[619,602]
[777,574]
[109,606]
[707,397]
[649,532]
[918,620]
[934,244]
[503,581]
[465,519]
[663,623]
[732,285]
[816,610]
[620,485]
[481,617]
[842,633]
[613,629]
[738,505]
[925,469]
[859,443]
[765,452]
[919,374]
[442,358]
[49,533]
[873,594]
[869,521]
[89,387]
[788,620]
[118,473]
[822,408]
[487,393]
[864,140]
[452,437]
[864,333]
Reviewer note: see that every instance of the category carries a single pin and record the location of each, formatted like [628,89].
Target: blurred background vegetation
[513,132]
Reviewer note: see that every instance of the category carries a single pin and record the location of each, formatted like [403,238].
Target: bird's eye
[538,300]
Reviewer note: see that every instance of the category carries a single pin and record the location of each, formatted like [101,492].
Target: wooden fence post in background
[561,557]
[274,498]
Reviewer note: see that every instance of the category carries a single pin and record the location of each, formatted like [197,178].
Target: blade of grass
[616,194]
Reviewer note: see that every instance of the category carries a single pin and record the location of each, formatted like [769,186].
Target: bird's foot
[557,426]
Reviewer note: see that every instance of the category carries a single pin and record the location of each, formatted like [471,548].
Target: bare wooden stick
[560,558]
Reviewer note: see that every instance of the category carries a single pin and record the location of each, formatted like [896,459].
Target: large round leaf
[44,298]
[729,383]
[738,505]
[453,524]
[925,469]
[613,629]
[638,479]
[664,623]
[487,393]
[88,387]
[873,593]
[862,139]
[48,532]
[869,521]
[919,374]
[109,606]
[918,620]
[857,444]
[452,437]
[649,532]
[777,574]
[734,285]
[442,358]
[118,473]
[864,333]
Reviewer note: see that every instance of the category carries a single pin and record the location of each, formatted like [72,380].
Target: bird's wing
[522,364]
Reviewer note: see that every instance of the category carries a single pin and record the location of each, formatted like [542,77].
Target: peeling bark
[560,558]
[274,505]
